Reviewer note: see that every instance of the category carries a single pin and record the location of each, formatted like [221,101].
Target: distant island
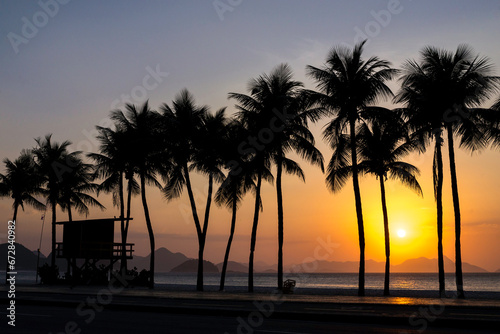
[191,266]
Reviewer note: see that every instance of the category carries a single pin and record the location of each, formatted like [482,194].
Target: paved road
[52,319]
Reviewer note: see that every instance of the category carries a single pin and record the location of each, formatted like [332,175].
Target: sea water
[399,281]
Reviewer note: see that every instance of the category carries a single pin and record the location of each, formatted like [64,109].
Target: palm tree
[285,94]
[113,166]
[238,181]
[21,182]
[184,124]
[141,127]
[382,144]
[259,113]
[347,84]
[53,161]
[208,159]
[444,88]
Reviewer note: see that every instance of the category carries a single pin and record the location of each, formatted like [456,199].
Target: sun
[401,233]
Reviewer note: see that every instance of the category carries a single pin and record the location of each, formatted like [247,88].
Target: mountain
[233,266]
[425,265]
[418,265]
[25,259]
[191,266]
[261,267]
[165,260]
[337,267]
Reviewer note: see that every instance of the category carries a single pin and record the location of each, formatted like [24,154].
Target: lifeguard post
[91,240]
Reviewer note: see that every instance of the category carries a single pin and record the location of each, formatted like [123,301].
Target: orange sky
[313,213]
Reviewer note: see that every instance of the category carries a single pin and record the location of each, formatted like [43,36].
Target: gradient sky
[66,77]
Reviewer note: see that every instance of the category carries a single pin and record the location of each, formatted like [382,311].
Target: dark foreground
[50,319]
[104,310]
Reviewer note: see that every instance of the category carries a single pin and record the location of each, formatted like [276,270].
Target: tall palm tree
[53,161]
[183,131]
[208,159]
[261,113]
[112,166]
[21,182]
[285,95]
[238,182]
[383,141]
[141,127]
[445,87]
[347,83]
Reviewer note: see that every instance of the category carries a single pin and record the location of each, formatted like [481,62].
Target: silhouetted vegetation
[443,91]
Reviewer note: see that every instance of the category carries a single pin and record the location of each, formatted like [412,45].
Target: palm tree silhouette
[260,113]
[347,84]
[208,159]
[238,182]
[53,161]
[292,135]
[75,186]
[141,126]
[382,142]
[112,166]
[441,92]
[21,182]
[185,127]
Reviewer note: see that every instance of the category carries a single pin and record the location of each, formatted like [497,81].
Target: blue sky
[91,52]
[70,74]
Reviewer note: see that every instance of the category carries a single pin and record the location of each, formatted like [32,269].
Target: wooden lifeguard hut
[91,240]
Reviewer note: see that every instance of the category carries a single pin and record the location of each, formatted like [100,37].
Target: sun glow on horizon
[401,233]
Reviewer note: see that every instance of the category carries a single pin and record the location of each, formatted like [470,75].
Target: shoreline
[481,295]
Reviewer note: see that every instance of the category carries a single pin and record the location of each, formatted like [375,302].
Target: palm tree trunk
[14,217]
[228,247]
[150,232]
[53,255]
[127,221]
[279,171]
[387,240]
[456,208]
[201,242]
[70,214]
[254,232]
[199,232]
[439,207]
[123,264]
[70,219]
[359,211]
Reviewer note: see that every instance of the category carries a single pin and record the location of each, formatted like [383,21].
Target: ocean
[486,282]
